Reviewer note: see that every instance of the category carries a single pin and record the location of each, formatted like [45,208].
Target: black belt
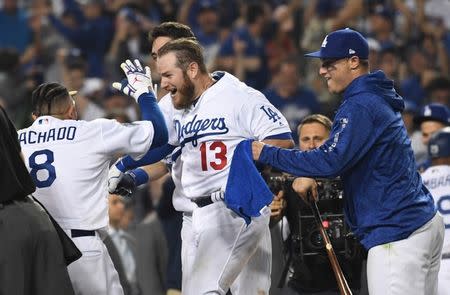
[75,233]
[208,200]
[203,201]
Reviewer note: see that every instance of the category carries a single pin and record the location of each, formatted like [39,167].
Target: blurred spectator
[47,41]
[434,30]
[243,53]
[281,43]
[413,87]
[115,212]
[123,242]
[16,32]
[151,253]
[14,92]
[294,100]
[129,42]
[171,221]
[390,63]
[116,102]
[409,113]
[318,16]
[431,118]
[160,11]
[381,23]
[205,27]
[74,68]
[92,32]
[374,53]
[227,11]
[438,91]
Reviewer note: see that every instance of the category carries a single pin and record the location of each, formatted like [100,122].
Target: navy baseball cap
[341,44]
[439,144]
[434,112]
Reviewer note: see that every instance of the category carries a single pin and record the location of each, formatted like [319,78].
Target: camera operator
[312,132]
[387,206]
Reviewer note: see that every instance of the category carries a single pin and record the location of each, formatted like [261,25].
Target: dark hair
[171,30]
[438,83]
[9,60]
[254,11]
[187,51]
[364,62]
[316,118]
[46,95]
[291,59]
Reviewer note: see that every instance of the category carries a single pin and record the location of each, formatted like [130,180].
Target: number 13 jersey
[208,132]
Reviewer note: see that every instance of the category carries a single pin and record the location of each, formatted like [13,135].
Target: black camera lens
[315,240]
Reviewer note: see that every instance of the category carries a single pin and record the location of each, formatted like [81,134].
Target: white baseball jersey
[69,160]
[209,131]
[437,180]
[180,202]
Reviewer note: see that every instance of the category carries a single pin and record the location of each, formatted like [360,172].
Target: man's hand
[257,147]
[126,185]
[138,80]
[277,206]
[306,188]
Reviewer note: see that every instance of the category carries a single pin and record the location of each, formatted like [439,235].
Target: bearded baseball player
[69,159]
[437,180]
[213,113]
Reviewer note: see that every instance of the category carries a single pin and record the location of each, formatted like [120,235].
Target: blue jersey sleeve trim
[287,135]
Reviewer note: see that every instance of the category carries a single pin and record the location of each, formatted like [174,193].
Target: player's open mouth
[172,92]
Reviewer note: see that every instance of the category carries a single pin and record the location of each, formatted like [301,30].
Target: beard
[186,94]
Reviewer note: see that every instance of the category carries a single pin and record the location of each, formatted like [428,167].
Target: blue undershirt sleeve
[151,112]
[152,156]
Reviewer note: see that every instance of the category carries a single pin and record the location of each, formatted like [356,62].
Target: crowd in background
[82,43]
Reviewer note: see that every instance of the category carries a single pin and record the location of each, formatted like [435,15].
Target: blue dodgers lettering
[195,129]
[64,133]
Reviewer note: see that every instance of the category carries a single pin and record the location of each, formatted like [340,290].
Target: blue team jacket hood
[377,83]
[384,197]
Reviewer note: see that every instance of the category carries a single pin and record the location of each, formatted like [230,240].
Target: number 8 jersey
[209,131]
[69,160]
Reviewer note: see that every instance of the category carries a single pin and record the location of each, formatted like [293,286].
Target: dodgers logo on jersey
[271,113]
[196,128]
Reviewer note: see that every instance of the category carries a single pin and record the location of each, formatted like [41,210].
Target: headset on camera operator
[309,265]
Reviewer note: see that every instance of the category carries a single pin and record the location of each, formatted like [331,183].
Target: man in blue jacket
[386,204]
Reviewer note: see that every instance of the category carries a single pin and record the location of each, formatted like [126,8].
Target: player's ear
[73,115]
[71,112]
[192,70]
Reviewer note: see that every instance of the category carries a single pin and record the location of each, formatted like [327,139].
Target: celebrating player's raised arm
[68,160]
[138,84]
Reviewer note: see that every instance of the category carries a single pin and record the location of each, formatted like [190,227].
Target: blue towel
[246,192]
